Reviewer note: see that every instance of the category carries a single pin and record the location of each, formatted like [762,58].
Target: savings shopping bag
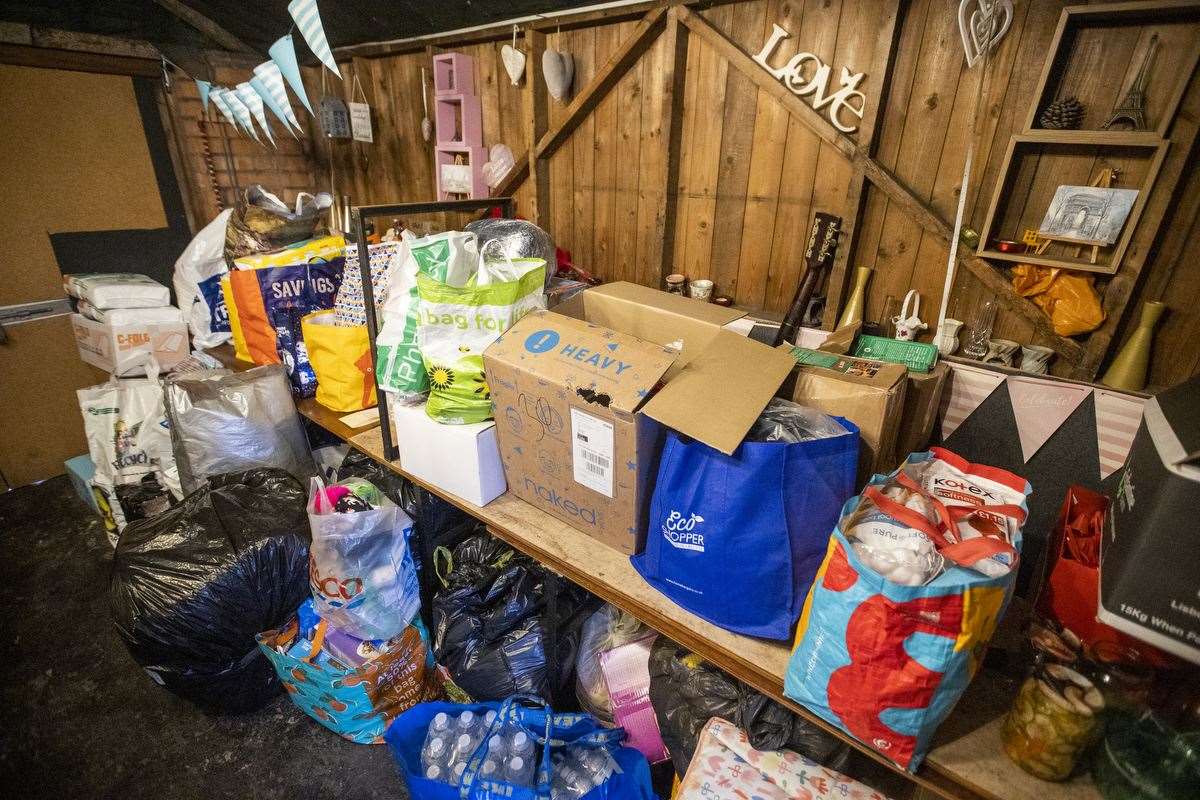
[341,361]
[362,572]
[886,661]
[354,700]
[737,539]
[554,733]
[286,284]
[456,323]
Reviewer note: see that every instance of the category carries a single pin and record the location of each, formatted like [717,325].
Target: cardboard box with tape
[581,393]
[123,349]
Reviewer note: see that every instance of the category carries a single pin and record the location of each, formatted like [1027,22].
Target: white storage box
[461,459]
[122,349]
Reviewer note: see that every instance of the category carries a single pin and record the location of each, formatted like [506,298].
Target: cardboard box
[1150,555]
[922,399]
[581,393]
[461,459]
[81,470]
[868,393]
[122,349]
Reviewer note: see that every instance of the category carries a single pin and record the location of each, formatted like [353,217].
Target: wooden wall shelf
[1099,53]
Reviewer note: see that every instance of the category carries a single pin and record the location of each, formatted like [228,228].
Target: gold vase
[853,310]
[1128,369]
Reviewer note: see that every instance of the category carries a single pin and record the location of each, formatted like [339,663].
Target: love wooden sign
[805,74]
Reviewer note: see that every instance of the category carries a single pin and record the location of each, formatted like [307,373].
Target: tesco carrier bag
[729,533]
[362,573]
[917,574]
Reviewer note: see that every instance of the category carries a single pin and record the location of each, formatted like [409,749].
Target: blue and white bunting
[268,82]
[254,102]
[308,21]
[203,87]
[217,95]
[241,112]
[283,53]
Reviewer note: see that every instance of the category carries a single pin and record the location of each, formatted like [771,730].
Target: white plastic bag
[362,573]
[117,290]
[198,284]
[398,367]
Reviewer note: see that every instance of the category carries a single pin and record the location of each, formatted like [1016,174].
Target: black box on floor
[1150,557]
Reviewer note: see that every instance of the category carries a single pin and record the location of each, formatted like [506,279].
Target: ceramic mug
[700,290]
[1001,351]
[947,336]
[1035,358]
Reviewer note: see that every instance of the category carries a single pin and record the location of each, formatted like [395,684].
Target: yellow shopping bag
[341,358]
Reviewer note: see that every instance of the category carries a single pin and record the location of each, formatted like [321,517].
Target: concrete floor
[81,720]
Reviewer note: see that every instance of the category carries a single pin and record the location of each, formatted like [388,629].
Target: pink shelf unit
[453,73]
[471,172]
[458,119]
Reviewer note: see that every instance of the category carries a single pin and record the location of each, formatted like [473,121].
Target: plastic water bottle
[596,764]
[440,724]
[497,749]
[436,751]
[519,744]
[489,770]
[464,746]
[569,783]
[467,722]
[519,771]
[456,773]
[488,719]
[435,773]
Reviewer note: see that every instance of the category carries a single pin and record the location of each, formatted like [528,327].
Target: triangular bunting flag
[283,53]
[264,96]
[1040,408]
[241,112]
[217,95]
[969,387]
[1117,419]
[308,21]
[268,81]
[254,102]
[203,87]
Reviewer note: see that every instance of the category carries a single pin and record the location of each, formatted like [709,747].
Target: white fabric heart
[558,68]
[514,62]
[500,162]
[981,24]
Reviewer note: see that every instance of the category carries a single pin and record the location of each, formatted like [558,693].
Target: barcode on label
[592,452]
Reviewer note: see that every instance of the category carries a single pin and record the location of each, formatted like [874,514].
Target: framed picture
[1087,214]
[456,178]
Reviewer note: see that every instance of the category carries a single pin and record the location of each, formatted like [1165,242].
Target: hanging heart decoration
[982,24]
[514,59]
[500,162]
[558,68]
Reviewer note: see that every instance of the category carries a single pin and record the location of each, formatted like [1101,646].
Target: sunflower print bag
[457,323]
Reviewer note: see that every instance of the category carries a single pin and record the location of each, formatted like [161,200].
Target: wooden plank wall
[751,176]
[285,169]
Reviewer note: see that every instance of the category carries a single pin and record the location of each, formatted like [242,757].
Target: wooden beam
[608,77]
[536,121]
[45,58]
[92,43]
[856,194]
[921,212]
[671,133]
[205,25]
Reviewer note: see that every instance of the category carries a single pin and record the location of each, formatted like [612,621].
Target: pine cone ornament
[1063,114]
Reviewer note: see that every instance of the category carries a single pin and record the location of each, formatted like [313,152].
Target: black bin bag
[687,691]
[192,586]
[495,628]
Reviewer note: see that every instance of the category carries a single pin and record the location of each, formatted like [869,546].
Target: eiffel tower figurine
[1133,108]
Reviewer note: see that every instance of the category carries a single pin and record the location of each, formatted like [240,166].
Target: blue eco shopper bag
[552,732]
[737,539]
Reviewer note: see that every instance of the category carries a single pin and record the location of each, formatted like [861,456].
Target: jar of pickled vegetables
[1054,718]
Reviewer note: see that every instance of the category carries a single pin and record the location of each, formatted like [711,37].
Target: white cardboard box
[122,349]
[461,459]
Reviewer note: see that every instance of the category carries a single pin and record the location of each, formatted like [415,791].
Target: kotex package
[355,687]
[462,312]
[117,290]
[197,282]
[884,651]
[362,573]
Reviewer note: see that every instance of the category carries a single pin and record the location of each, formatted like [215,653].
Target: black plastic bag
[192,586]
[493,624]
[687,692]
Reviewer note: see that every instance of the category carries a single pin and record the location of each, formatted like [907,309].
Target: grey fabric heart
[558,68]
